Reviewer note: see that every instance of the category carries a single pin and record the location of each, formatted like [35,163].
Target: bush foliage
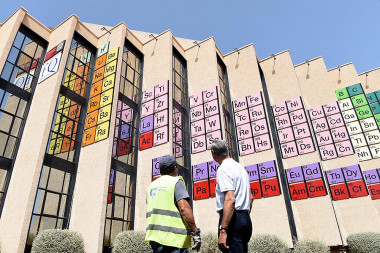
[310,246]
[58,241]
[368,242]
[131,242]
[209,243]
[264,243]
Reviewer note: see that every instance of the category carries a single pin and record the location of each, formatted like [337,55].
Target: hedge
[310,246]
[368,242]
[264,243]
[58,241]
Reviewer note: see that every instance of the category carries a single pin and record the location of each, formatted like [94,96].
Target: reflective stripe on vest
[168,229]
[163,212]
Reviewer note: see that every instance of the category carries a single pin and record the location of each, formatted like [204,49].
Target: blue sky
[340,30]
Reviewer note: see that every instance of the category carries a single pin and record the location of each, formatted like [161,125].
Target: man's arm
[250,201]
[228,211]
[187,214]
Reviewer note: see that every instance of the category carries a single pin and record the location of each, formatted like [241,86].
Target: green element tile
[377,117]
[378,95]
[375,108]
[341,93]
[359,100]
[372,97]
[363,112]
[355,89]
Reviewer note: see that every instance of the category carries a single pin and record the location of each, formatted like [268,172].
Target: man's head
[168,165]
[219,150]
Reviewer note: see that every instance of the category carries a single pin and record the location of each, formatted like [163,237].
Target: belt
[238,211]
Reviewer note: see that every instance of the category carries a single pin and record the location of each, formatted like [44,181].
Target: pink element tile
[147,109]
[344,148]
[256,112]
[282,121]
[320,125]
[243,131]
[147,95]
[161,89]
[246,147]
[279,109]
[262,142]
[324,138]
[196,99]
[285,135]
[198,144]
[210,94]
[289,150]
[331,108]
[316,113]
[161,103]
[210,137]
[328,152]
[259,127]
[297,117]
[301,131]
[196,113]
[335,121]
[160,136]
[212,123]
[198,128]
[211,108]
[239,104]
[241,117]
[294,104]
[254,99]
[305,146]
[339,134]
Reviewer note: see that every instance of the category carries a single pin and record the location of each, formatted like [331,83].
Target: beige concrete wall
[16,214]
[244,79]
[203,74]
[314,217]
[157,69]
[91,187]
[8,31]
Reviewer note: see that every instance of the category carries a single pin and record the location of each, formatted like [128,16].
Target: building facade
[86,112]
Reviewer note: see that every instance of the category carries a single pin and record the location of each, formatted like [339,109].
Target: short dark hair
[165,170]
[220,148]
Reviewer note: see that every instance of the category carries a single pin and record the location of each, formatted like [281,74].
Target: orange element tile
[98,75]
[96,88]
[101,61]
[88,136]
[93,104]
[91,119]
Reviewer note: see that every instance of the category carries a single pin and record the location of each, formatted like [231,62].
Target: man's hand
[197,240]
[222,241]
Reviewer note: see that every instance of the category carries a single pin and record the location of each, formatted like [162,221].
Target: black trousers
[239,232]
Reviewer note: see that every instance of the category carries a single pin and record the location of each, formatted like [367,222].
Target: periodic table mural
[293,129]
[101,96]
[360,121]
[251,124]
[155,116]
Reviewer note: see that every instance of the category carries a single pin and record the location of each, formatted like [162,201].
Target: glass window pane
[19,39]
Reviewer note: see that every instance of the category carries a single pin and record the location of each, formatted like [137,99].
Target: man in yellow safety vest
[169,218]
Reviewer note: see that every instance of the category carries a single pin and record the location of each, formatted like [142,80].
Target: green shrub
[58,241]
[209,243]
[310,246]
[131,242]
[264,243]
[368,242]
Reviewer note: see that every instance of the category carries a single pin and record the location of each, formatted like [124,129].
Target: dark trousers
[159,248]
[239,232]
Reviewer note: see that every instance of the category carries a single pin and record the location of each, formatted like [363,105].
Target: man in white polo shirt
[233,201]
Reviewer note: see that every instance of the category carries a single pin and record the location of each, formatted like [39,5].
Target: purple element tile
[371,176]
[212,168]
[352,172]
[267,169]
[200,171]
[125,131]
[146,124]
[335,176]
[294,175]
[156,166]
[312,171]
[112,176]
[253,172]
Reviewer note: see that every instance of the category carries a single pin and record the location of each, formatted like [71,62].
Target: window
[57,180]
[122,183]
[223,85]
[181,135]
[17,82]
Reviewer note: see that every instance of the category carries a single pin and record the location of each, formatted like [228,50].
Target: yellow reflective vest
[164,223]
